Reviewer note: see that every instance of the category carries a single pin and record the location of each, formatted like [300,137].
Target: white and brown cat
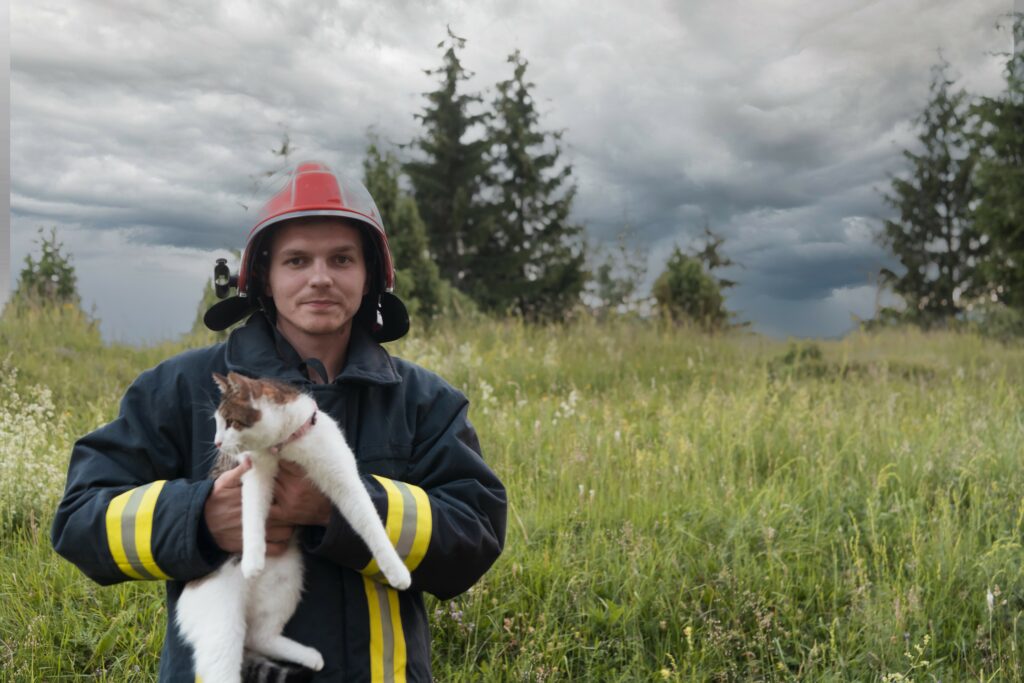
[242,607]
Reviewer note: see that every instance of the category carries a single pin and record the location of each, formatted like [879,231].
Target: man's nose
[319,274]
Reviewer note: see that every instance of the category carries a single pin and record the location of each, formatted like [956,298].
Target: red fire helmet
[313,189]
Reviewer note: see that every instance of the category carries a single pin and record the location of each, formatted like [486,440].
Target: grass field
[683,507]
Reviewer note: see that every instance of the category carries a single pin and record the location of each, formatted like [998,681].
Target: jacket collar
[257,349]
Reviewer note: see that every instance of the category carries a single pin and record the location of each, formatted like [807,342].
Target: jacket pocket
[389,460]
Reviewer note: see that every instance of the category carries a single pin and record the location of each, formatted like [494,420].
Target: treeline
[959,229]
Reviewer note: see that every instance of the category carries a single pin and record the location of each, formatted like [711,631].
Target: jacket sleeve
[127,511]
[446,517]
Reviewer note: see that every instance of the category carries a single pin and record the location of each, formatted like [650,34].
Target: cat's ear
[236,380]
[221,381]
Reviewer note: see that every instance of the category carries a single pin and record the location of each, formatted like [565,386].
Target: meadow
[684,507]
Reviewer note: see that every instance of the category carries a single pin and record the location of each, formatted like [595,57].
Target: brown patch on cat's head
[276,392]
[236,405]
[240,392]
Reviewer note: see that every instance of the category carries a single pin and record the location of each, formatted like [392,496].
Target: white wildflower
[33,448]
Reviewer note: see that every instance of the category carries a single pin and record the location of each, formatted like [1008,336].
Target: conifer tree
[448,175]
[531,261]
[417,280]
[615,281]
[50,279]
[934,236]
[709,255]
[1000,180]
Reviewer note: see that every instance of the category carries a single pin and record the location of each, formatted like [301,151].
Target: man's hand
[223,513]
[296,500]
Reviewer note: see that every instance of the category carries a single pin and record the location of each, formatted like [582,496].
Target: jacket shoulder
[191,365]
[421,382]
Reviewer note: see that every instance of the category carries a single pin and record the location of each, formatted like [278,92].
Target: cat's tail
[261,670]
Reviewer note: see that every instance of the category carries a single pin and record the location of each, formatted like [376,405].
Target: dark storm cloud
[811,270]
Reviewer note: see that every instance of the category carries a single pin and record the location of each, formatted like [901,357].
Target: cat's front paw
[252,564]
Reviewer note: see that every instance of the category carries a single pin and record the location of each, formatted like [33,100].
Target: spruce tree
[615,281]
[531,261]
[50,279]
[708,254]
[1000,180]
[417,280]
[934,236]
[448,175]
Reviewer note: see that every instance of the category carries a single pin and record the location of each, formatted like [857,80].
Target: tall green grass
[682,507]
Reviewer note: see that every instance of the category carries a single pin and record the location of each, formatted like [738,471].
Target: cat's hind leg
[338,478]
[356,507]
[274,596]
[211,617]
[285,649]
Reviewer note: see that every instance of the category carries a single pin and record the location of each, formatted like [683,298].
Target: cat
[239,611]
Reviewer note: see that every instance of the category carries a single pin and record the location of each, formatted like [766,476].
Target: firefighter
[315,284]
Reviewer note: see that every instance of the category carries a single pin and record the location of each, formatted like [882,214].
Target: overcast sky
[136,127]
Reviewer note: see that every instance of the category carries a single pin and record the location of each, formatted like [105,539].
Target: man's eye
[294,261]
[343,259]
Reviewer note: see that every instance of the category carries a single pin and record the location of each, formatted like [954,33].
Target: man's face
[317,277]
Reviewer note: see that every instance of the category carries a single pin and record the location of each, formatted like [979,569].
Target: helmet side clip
[223,280]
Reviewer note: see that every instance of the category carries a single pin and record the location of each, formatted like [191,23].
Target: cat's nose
[217,443]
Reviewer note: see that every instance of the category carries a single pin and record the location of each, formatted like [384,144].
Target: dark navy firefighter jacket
[136,488]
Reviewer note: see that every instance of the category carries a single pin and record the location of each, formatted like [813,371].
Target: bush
[49,280]
[685,292]
[997,321]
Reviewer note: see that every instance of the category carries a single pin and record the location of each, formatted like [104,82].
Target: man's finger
[281,535]
[233,477]
[275,521]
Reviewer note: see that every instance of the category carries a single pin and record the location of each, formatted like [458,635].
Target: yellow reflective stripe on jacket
[424,526]
[409,523]
[387,638]
[130,530]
